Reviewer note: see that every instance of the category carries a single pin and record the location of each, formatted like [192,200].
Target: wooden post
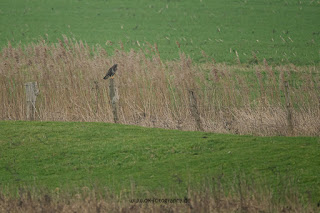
[289,108]
[114,98]
[194,110]
[31,96]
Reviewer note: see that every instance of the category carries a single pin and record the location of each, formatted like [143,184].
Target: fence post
[194,110]
[289,107]
[114,98]
[31,96]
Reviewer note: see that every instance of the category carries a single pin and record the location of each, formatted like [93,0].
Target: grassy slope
[68,155]
[218,27]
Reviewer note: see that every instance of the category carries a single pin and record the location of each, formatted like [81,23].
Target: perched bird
[111,72]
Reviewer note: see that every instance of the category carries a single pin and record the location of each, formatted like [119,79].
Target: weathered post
[31,96]
[289,107]
[114,98]
[194,110]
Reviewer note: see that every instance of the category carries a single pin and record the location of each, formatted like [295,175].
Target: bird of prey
[111,72]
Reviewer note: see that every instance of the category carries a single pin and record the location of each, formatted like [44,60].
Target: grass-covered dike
[140,162]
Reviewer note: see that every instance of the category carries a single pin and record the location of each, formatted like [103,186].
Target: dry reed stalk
[155,93]
[262,89]
[245,196]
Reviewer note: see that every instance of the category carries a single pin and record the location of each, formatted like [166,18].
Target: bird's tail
[106,77]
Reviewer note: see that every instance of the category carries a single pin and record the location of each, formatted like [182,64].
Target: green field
[280,31]
[69,155]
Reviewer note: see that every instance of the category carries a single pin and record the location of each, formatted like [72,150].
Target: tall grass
[230,99]
[241,195]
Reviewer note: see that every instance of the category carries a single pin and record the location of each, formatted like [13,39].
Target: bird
[111,72]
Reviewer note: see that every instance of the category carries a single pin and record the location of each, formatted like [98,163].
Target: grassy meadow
[138,162]
[279,31]
[245,73]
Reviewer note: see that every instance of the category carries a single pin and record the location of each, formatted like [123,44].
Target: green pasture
[281,31]
[71,155]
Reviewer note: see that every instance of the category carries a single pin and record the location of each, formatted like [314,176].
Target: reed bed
[238,99]
[239,195]
[198,202]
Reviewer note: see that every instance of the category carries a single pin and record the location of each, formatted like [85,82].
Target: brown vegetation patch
[153,93]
